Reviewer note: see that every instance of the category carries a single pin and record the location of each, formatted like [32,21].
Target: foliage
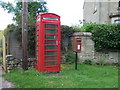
[33,9]
[31,38]
[67,31]
[101,62]
[88,61]
[1,58]
[106,36]
[70,57]
[1,51]
[87,76]
[66,34]
[8,29]
[78,28]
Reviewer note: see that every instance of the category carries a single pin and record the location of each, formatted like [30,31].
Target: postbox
[48,40]
[76,44]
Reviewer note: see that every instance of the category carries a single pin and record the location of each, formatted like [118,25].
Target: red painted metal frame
[40,43]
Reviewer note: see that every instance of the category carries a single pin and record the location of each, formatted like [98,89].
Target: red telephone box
[48,42]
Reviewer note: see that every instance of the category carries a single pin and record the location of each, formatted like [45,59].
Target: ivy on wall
[106,36]
[31,38]
[66,34]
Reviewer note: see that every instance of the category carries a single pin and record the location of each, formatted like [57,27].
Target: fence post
[4,54]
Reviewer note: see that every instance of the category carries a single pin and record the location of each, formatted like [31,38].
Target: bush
[106,36]
[70,57]
[88,61]
[101,62]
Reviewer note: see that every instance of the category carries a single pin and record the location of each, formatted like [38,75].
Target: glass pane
[50,42]
[50,36]
[117,21]
[51,58]
[51,32]
[51,47]
[51,63]
[50,52]
[53,26]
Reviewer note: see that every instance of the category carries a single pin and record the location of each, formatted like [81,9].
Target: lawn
[87,76]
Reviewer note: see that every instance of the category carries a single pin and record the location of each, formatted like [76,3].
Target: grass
[87,76]
[1,58]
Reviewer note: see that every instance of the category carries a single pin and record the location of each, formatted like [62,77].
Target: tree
[33,9]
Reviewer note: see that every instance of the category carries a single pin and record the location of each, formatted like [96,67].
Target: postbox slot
[78,40]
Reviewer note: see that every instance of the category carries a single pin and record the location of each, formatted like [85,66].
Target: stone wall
[88,50]
[14,47]
[109,56]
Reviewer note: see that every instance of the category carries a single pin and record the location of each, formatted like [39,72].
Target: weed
[88,61]
[101,62]
[70,57]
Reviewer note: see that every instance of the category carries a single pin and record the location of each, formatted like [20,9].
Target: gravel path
[4,83]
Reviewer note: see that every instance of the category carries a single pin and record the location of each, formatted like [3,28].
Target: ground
[87,76]
[4,83]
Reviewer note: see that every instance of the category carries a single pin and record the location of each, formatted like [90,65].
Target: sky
[70,11]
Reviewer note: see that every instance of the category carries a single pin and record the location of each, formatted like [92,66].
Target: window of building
[119,4]
[117,21]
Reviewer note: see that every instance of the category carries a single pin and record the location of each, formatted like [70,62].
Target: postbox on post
[48,42]
[76,46]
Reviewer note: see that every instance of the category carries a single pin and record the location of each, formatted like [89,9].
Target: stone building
[101,11]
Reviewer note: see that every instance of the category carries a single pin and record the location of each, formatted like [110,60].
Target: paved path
[4,83]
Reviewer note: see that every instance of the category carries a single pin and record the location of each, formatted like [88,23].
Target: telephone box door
[52,47]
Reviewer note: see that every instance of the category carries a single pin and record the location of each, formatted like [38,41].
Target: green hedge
[106,36]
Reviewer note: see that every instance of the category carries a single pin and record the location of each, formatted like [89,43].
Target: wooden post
[24,34]
[4,64]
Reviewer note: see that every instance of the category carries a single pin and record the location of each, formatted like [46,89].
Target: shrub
[70,56]
[106,36]
[88,61]
[101,62]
